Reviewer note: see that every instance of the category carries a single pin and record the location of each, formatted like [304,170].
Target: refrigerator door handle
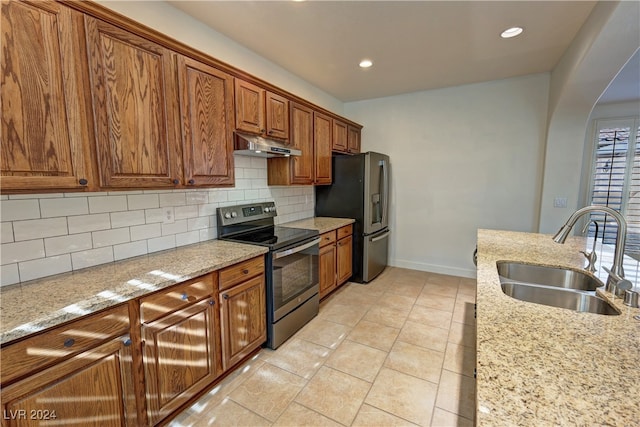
[380,237]
[385,192]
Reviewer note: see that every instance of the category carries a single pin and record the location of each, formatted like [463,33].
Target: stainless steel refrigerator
[360,190]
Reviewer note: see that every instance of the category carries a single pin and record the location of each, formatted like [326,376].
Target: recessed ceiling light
[511,32]
[365,63]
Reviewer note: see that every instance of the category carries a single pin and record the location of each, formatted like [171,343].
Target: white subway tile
[124,193]
[258,184]
[143,232]
[251,173]
[251,194]
[44,267]
[218,196]
[175,228]
[188,238]
[101,204]
[6,230]
[84,194]
[143,201]
[91,258]
[213,221]
[265,193]
[207,209]
[127,219]
[197,197]
[235,195]
[4,197]
[84,223]
[242,184]
[262,174]
[110,237]
[129,250]
[161,243]
[36,196]
[173,199]
[154,215]
[22,251]
[16,210]
[67,244]
[39,228]
[238,173]
[9,274]
[197,223]
[242,161]
[259,162]
[208,234]
[183,212]
[64,207]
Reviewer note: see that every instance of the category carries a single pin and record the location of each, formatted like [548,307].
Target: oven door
[294,276]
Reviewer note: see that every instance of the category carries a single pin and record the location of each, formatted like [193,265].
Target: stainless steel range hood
[253,145]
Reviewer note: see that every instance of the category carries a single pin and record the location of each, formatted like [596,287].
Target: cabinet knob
[185,296]
[245,271]
[192,181]
[83,181]
[69,342]
[261,130]
[126,341]
[212,302]
[225,296]
[270,132]
[176,181]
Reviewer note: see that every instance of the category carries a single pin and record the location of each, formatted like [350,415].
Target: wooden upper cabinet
[353,139]
[206,106]
[339,142]
[322,133]
[277,116]
[249,107]
[45,120]
[135,106]
[261,112]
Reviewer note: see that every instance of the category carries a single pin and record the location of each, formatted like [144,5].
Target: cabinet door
[302,139]
[344,256]
[249,107]
[322,132]
[243,318]
[94,388]
[181,357]
[135,107]
[277,116]
[339,142]
[327,269]
[44,110]
[206,106]
[354,139]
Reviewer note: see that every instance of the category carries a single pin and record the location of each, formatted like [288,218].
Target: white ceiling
[415,45]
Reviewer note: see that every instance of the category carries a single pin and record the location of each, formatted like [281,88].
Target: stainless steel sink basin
[547,276]
[562,298]
[553,286]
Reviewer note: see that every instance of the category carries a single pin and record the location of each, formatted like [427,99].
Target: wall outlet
[560,202]
[168,216]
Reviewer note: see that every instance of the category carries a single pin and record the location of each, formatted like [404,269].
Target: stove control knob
[234,214]
[267,209]
[227,215]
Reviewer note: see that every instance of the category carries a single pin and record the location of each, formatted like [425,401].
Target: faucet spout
[617,272]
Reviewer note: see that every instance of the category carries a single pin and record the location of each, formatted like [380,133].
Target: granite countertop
[44,303]
[320,223]
[540,365]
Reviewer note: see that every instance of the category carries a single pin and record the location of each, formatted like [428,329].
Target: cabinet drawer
[240,272]
[160,304]
[345,231]
[328,238]
[47,348]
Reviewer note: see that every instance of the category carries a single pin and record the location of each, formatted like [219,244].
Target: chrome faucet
[591,256]
[615,282]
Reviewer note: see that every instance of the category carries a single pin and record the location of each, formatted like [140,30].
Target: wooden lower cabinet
[335,259]
[327,269]
[243,317]
[344,256]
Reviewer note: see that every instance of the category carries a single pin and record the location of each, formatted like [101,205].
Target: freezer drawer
[375,254]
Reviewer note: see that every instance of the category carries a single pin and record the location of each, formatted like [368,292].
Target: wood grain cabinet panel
[135,106]
[322,137]
[327,269]
[206,104]
[344,259]
[249,107]
[340,142]
[353,138]
[45,120]
[243,320]
[181,357]
[277,115]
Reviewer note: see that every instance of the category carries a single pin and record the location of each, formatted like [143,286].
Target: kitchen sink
[562,298]
[553,286]
[547,276]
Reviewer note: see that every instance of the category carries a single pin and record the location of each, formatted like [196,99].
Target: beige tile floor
[399,351]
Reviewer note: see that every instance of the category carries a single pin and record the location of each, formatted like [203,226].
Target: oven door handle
[296,249]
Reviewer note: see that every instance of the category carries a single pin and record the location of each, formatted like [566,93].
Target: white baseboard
[433,268]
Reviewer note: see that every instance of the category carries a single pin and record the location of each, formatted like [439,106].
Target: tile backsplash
[46,234]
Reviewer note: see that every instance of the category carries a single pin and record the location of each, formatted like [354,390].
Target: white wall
[55,233]
[462,158]
[178,25]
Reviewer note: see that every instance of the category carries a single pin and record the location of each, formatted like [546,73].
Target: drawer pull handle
[245,271]
[126,341]
[69,342]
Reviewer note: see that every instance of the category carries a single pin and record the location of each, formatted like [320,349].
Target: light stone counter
[540,365]
[44,303]
[320,223]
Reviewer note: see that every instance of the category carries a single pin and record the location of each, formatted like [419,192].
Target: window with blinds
[616,180]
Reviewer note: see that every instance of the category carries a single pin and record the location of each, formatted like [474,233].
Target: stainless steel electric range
[291,265]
